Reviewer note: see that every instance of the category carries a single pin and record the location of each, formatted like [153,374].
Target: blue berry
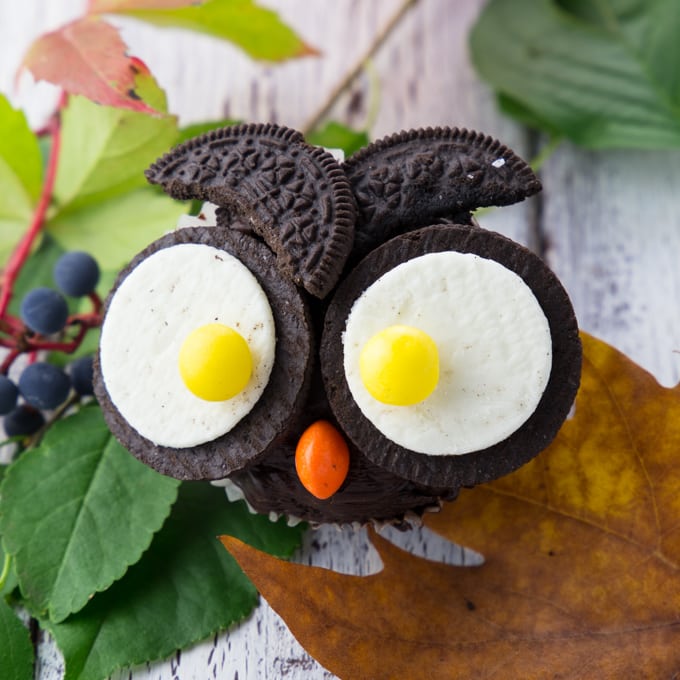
[23,421]
[76,273]
[44,386]
[8,395]
[80,371]
[44,311]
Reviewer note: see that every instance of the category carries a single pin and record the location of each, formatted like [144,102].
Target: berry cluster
[46,325]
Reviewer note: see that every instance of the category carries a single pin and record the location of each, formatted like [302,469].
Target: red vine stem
[23,249]
[96,303]
[11,325]
[9,360]
[67,346]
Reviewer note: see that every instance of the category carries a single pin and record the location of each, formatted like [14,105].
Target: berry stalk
[43,391]
[23,249]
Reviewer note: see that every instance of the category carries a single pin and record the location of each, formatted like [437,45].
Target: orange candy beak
[322,459]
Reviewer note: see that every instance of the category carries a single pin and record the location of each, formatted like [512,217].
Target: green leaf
[7,570]
[604,74]
[196,129]
[105,150]
[524,115]
[77,511]
[116,229]
[185,588]
[338,136]
[16,650]
[258,31]
[19,151]
[8,579]
[20,176]
[650,27]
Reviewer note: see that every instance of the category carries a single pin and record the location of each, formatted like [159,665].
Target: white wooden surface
[608,222]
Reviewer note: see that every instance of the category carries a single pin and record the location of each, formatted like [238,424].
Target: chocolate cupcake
[344,345]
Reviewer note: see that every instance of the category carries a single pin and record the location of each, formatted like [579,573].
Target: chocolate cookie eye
[147,360]
[491,342]
[508,348]
[224,287]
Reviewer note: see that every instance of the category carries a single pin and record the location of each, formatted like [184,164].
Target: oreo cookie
[283,399]
[428,176]
[468,469]
[370,493]
[295,196]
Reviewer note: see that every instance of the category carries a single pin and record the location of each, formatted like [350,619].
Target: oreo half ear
[295,196]
[421,177]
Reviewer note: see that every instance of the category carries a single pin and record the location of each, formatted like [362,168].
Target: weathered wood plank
[611,221]
[208,79]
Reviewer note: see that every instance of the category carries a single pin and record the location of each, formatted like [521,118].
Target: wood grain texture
[611,223]
[608,222]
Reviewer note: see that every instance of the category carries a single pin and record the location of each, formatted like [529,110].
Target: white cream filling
[162,300]
[206,217]
[494,344]
[338,154]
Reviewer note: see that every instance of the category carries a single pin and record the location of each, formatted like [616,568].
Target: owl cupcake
[344,343]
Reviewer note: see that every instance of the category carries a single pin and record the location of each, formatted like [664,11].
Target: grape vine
[44,324]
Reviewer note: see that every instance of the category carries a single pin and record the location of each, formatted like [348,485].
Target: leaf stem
[5,570]
[10,325]
[9,358]
[96,303]
[545,152]
[34,439]
[23,249]
[374,93]
[350,76]
[86,321]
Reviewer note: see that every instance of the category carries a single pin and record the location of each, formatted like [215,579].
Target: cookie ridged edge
[479,140]
[534,435]
[172,158]
[321,275]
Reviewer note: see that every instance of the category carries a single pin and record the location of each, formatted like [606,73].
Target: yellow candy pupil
[215,362]
[399,366]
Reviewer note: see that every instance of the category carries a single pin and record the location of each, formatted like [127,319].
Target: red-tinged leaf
[88,57]
[582,560]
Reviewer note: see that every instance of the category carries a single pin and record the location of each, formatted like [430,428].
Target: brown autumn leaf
[88,57]
[582,548]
